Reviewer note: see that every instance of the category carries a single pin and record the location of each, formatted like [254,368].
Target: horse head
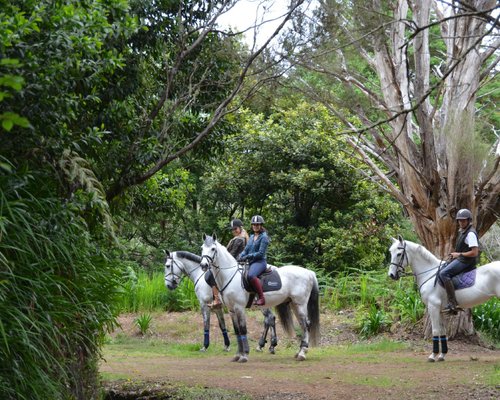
[399,258]
[173,273]
[208,251]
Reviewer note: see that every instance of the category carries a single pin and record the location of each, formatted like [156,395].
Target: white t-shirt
[471,240]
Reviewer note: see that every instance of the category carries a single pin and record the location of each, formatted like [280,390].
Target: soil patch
[335,369]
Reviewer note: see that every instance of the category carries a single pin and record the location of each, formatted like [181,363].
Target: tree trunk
[456,326]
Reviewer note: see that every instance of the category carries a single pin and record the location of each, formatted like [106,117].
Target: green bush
[486,318]
[147,292]
[57,295]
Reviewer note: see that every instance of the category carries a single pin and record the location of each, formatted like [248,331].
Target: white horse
[182,263]
[425,267]
[299,293]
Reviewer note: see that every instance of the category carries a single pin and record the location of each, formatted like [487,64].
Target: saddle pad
[464,280]
[271,281]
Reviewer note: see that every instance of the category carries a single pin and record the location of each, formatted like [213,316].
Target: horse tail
[284,312]
[313,313]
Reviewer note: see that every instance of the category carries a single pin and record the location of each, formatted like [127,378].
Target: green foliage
[408,304]
[147,292]
[143,322]
[486,318]
[372,322]
[57,291]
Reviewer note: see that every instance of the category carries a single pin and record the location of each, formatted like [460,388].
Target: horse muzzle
[394,276]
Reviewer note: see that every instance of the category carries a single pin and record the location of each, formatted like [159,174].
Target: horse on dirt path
[182,263]
[476,288]
[299,293]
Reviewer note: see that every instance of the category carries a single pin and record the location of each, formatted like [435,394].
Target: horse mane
[190,256]
[426,254]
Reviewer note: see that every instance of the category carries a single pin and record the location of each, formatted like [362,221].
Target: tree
[425,62]
[199,81]
[420,121]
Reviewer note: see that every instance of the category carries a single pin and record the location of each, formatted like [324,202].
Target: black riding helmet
[236,223]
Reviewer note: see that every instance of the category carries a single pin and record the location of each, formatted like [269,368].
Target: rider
[235,247]
[255,253]
[464,257]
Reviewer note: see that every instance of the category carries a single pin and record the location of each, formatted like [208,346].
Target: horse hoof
[259,349]
[431,358]
[236,358]
[227,348]
[271,351]
[243,359]
[203,350]
[301,357]
[441,357]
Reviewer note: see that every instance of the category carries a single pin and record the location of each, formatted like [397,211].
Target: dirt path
[333,370]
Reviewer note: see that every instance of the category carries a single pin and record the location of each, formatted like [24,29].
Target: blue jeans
[453,269]
[256,268]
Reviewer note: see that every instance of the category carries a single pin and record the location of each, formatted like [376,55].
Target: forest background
[130,127]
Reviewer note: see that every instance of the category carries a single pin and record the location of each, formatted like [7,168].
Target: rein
[400,269]
[188,274]
[211,262]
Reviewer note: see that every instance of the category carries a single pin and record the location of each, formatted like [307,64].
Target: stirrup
[215,304]
[451,309]
[256,302]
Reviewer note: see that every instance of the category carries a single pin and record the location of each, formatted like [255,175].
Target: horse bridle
[169,257]
[180,278]
[400,268]
[211,260]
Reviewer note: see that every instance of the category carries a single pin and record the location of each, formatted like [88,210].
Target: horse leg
[222,325]
[205,312]
[300,312]
[240,329]
[262,340]
[271,321]
[438,335]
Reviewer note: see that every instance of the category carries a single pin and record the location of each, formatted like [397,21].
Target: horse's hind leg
[205,312]
[272,327]
[300,312]
[222,325]
[269,324]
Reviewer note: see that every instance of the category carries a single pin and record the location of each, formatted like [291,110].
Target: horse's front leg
[240,329]
[300,312]
[222,325]
[205,312]
[438,334]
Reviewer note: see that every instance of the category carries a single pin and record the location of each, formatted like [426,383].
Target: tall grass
[147,292]
[57,291]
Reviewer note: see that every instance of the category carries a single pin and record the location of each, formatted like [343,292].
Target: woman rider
[255,253]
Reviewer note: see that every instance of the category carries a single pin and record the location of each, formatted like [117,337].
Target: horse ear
[214,235]
[400,238]
[204,237]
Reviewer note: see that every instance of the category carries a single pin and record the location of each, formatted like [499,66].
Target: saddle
[463,281]
[270,280]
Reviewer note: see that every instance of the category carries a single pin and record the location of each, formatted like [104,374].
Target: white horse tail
[313,311]
[284,312]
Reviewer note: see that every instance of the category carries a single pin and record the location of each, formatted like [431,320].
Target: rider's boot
[452,301]
[258,288]
[216,302]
